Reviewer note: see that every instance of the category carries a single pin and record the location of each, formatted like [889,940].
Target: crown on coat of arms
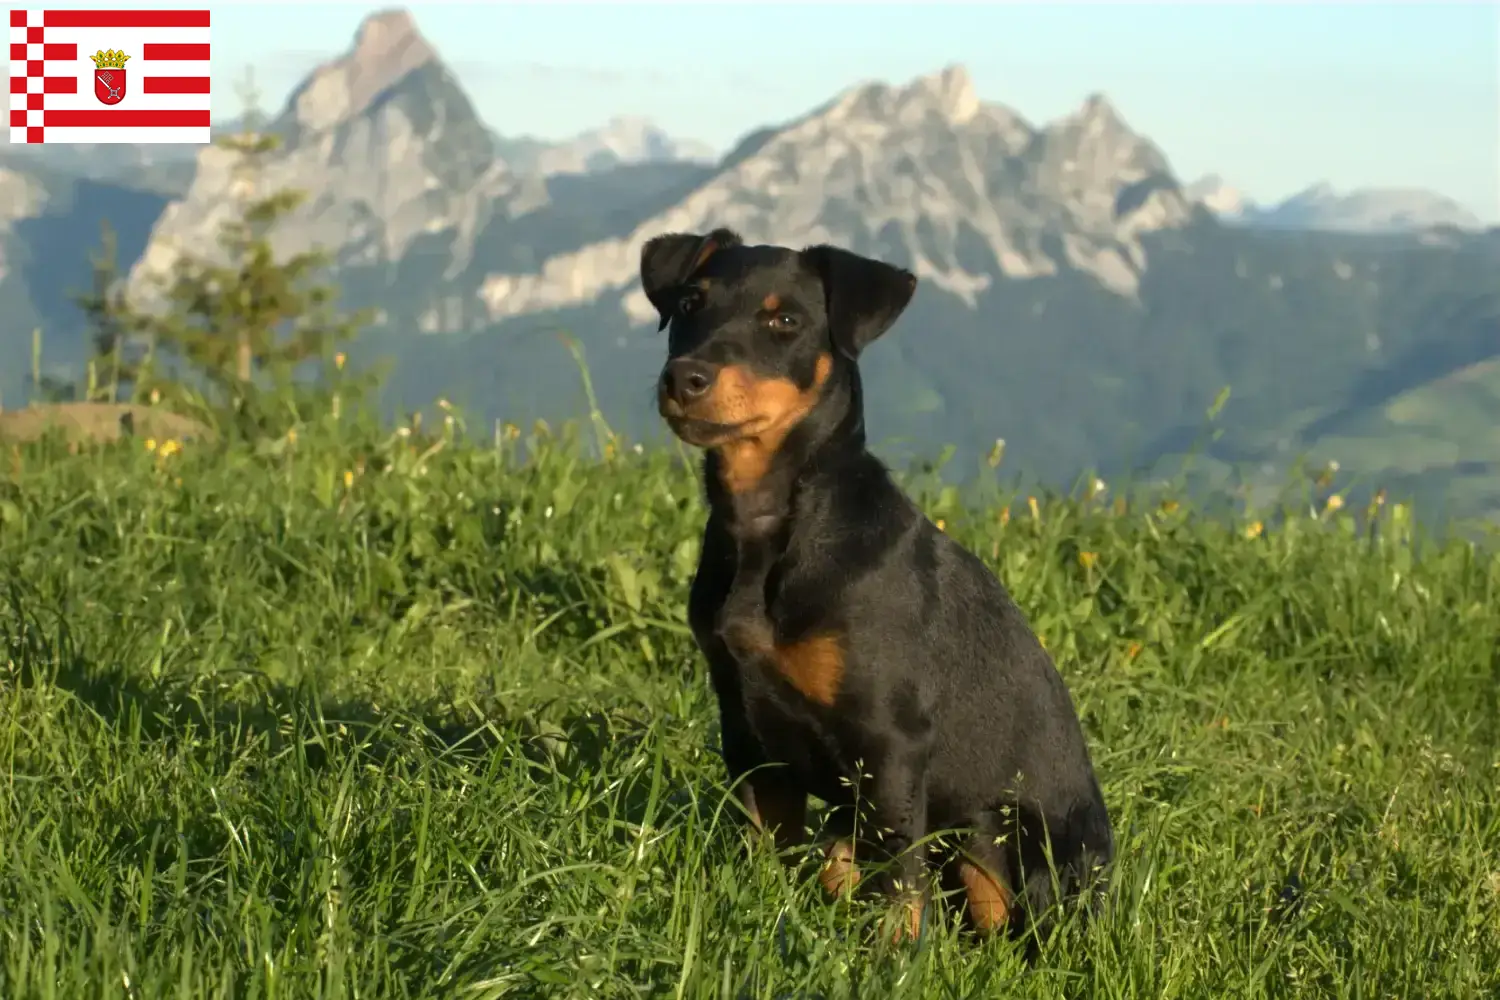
[109,59]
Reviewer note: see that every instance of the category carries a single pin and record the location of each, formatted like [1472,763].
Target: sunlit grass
[366,715]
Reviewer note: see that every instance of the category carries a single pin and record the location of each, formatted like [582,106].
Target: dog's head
[759,333]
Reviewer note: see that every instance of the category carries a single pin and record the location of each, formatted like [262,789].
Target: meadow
[367,714]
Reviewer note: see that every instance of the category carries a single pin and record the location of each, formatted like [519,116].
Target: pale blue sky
[1272,96]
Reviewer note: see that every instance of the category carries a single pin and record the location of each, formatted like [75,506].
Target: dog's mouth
[706,433]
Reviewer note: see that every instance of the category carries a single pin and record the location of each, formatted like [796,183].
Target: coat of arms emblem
[109,75]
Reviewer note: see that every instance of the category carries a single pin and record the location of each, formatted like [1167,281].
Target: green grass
[443,733]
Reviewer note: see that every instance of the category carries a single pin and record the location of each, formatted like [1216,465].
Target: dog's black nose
[686,380]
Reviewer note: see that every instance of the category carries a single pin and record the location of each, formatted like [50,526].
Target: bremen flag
[109,76]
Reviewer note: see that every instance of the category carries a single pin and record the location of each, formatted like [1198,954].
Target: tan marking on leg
[988,898]
[906,919]
[839,876]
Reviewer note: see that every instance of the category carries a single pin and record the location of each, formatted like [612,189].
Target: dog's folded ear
[863,296]
[670,259]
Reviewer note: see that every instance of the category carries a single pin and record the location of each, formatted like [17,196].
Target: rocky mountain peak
[1097,108]
[385,31]
[1091,159]
[951,90]
[387,47]
[948,94]
[388,149]
[1096,124]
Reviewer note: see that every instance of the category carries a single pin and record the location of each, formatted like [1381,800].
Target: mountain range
[1077,299]
[1320,207]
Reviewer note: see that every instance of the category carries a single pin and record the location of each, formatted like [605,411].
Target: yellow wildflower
[1254,529]
[1036,511]
[338,360]
[1087,559]
[1335,503]
[1132,651]
[169,448]
[348,479]
[151,444]
[1004,516]
[942,525]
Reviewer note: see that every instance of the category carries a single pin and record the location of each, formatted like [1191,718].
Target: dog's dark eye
[690,302]
[782,323]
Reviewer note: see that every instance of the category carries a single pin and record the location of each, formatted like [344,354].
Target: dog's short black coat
[858,654]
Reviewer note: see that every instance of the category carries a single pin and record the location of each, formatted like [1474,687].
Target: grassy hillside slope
[352,715]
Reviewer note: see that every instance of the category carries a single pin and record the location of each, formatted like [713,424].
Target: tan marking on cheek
[988,898]
[776,405]
[732,400]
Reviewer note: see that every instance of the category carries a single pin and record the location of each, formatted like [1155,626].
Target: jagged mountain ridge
[1074,300]
[1321,207]
[965,190]
[962,175]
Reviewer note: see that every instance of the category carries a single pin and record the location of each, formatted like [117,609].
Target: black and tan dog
[858,653]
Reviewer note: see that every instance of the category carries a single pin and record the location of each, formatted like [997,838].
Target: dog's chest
[784,682]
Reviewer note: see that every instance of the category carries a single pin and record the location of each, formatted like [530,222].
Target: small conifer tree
[233,331]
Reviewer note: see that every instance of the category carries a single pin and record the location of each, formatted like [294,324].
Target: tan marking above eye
[771,302]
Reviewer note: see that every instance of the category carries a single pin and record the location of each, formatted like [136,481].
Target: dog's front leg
[899,795]
[772,800]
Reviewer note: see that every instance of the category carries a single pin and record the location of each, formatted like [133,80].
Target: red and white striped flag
[118,75]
